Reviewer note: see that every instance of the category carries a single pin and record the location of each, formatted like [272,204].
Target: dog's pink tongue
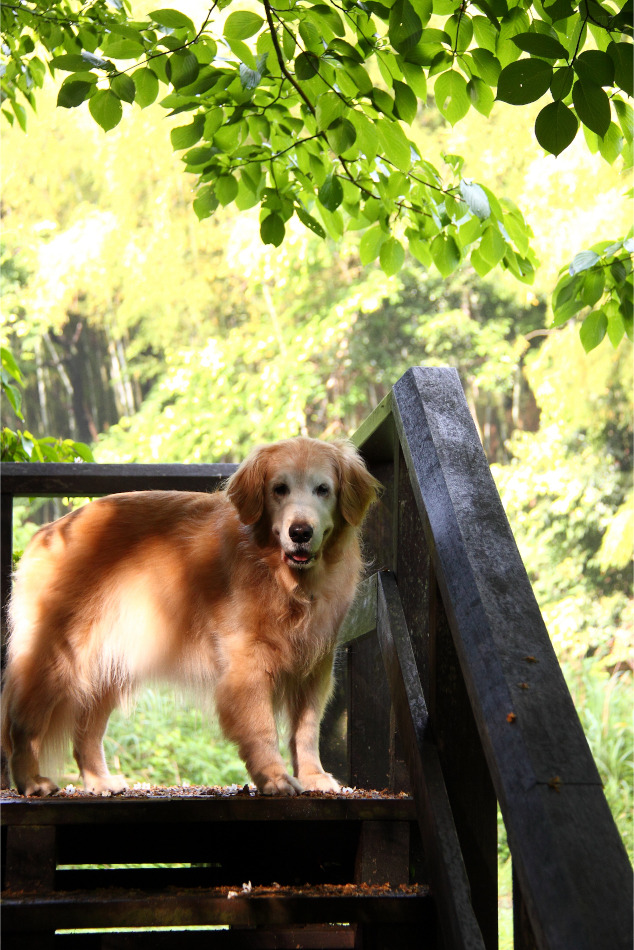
[300,557]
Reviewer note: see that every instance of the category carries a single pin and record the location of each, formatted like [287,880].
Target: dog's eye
[281,490]
[322,490]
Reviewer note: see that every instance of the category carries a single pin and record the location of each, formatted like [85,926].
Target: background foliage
[299,109]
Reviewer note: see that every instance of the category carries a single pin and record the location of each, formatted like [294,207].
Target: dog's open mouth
[298,558]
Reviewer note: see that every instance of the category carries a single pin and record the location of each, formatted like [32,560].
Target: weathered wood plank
[447,871]
[375,435]
[560,833]
[369,725]
[207,907]
[31,853]
[53,479]
[173,810]
[383,853]
[361,618]
[465,770]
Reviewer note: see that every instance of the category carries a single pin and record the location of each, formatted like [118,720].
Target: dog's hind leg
[90,727]
[29,713]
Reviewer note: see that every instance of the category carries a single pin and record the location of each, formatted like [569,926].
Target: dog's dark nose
[300,532]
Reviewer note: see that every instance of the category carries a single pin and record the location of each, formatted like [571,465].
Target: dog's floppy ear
[357,488]
[245,488]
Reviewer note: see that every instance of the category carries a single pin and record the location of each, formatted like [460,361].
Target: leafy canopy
[305,109]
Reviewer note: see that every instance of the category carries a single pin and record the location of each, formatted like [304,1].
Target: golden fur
[240,592]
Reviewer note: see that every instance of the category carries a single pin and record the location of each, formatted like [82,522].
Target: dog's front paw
[38,786]
[320,782]
[104,784]
[278,784]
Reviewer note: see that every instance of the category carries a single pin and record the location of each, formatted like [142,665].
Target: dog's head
[303,489]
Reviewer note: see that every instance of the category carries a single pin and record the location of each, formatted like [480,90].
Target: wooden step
[261,907]
[312,871]
[221,839]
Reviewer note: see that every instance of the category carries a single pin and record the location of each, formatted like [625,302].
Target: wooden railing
[478,696]
[448,684]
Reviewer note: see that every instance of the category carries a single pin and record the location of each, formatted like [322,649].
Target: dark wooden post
[464,767]
[559,825]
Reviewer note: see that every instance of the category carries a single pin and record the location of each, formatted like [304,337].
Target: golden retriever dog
[240,592]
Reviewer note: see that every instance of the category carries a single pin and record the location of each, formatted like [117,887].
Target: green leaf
[558,10]
[562,82]
[480,95]
[147,86]
[370,244]
[394,143]
[488,67]
[359,76]
[480,265]
[120,48]
[341,135]
[205,202]
[197,157]
[524,81]
[459,28]
[555,127]
[445,253]
[492,246]
[621,55]
[367,139]
[593,329]
[452,97]
[582,261]
[616,328]
[416,79]
[10,365]
[611,144]
[72,94]
[106,109]
[70,63]
[382,101]
[476,198]
[595,68]
[329,107]
[272,230]
[331,193]
[226,188]
[540,44]
[311,37]
[182,69]
[123,87]
[405,26]
[625,115]
[391,256]
[173,20]
[592,106]
[241,25]
[308,221]
[288,44]
[593,286]
[306,66]
[249,78]
[405,102]
[184,136]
